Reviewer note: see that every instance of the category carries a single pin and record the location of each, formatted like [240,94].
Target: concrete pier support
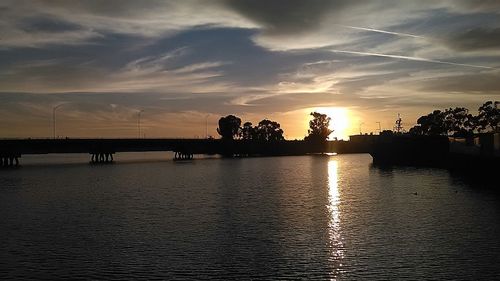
[9,161]
[183,156]
[101,157]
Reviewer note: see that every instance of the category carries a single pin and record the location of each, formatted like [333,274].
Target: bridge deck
[44,146]
[102,149]
[193,146]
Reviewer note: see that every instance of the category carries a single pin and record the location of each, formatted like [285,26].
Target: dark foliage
[488,118]
[459,122]
[430,124]
[386,133]
[248,131]
[453,121]
[268,130]
[319,127]
[229,127]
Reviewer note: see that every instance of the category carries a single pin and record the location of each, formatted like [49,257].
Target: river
[306,217]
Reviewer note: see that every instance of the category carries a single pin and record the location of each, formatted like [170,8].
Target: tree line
[456,121]
[230,128]
[459,122]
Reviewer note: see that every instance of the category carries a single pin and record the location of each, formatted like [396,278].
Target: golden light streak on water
[334,227]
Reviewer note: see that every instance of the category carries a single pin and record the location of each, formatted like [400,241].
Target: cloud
[255,58]
[386,32]
[475,39]
[282,24]
[291,25]
[160,73]
[285,16]
[473,83]
[156,74]
[90,19]
[410,58]
[476,6]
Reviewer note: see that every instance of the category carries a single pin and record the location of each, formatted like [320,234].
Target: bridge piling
[9,161]
[183,156]
[101,157]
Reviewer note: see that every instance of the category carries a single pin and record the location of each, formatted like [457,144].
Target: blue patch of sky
[247,63]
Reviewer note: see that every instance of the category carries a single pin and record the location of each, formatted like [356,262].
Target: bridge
[103,150]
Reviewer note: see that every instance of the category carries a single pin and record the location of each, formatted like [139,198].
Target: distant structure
[398,127]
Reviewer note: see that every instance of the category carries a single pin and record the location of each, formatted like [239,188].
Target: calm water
[308,217]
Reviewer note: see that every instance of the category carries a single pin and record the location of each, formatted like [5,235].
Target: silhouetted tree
[431,124]
[453,121]
[229,127]
[387,133]
[268,130]
[319,127]
[488,118]
[248,131]
[458,121]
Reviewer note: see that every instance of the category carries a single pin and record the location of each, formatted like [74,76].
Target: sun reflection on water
[334,231]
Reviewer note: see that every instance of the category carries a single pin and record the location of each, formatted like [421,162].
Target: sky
[184,64]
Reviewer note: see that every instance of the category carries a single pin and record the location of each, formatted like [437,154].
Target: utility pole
[206,126]
[54,119]
[139,123]
[398,127]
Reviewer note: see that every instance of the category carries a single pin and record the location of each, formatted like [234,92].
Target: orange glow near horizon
[340,121]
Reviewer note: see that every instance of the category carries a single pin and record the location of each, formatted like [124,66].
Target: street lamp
[54,119]
[206,126]
[139,122]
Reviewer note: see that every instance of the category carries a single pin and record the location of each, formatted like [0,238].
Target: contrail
[384,31]
[409,58]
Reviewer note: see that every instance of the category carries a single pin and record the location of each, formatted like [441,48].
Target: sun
[339,122]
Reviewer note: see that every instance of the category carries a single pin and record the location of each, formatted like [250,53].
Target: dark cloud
[111,8]
[285,16]
[475,39]
[466,83]
[47,24]
[468,6]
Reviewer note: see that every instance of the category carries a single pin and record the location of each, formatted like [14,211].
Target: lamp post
[139,123]
[54,119]
[206,126]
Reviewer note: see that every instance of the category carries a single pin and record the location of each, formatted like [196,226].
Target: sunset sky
[187,63]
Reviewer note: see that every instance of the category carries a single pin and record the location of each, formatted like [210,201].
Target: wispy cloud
[89,19]
[384,31]
[409,58]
